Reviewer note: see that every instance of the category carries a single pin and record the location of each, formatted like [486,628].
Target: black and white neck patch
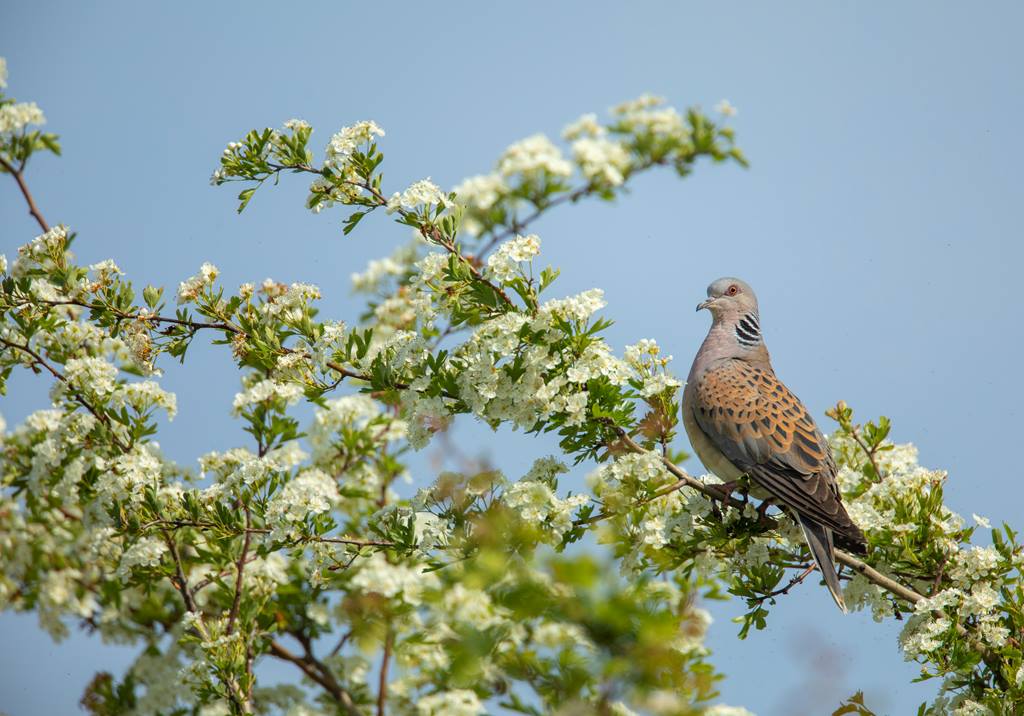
[748,331]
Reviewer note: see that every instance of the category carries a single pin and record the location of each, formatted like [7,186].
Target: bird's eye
[732,290]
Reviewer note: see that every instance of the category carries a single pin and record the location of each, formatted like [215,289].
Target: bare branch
[240,566]
[18,175]
[382,682]
[309,667]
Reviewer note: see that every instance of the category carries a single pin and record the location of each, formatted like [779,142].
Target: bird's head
[729,297]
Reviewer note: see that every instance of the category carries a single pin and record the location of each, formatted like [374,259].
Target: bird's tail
[819,539]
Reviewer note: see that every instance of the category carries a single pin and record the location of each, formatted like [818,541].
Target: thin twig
[18,177]
[240,566]
[870,453]
[325,679]
[517,226]
[37,359]
[382,682]
[180,582]
[798,579]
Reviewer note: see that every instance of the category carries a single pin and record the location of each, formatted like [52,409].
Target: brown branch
[240,566]
[325,679]
[798,579]
[18,177]
[356,542]
[38,360]
[683,479]
[686,480]
[877,578]
[992,660]
[147,318]
[516,226]
[433,234]
[867,451]
[180,581]
[353,542]
[203,583]
[382,682]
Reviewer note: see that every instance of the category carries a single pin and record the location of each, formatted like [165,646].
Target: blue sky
[879,221]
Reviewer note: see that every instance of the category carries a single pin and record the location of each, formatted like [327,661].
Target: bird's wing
[766,432]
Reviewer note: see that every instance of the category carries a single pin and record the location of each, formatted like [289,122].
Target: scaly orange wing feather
[766,432]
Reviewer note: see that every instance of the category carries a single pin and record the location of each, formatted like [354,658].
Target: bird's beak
[705,304]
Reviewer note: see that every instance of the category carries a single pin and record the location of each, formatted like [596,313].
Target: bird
[743,421]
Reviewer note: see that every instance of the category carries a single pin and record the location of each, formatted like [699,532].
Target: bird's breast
[713,459]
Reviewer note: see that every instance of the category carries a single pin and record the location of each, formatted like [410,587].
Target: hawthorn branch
[240,566]
[38,360]
[517,226]
[180,581]
[311,667]
[19,177]
[140,316]
[382,684]
[798,579]
[855,434]
[901,591]
[720,496]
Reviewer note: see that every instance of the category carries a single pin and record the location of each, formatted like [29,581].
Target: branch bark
[323,677]
[18,175]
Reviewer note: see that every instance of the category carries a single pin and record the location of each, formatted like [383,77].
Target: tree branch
[710,491]
[18,177]
[382,682]
[38,360]
[240,566]
[309,667]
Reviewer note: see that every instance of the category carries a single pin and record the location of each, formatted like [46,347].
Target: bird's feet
[728,488]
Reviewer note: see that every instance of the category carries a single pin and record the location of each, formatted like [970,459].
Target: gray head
[733,305]
[730,297]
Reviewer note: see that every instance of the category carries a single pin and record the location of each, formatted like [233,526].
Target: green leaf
[152,295]
[244,196]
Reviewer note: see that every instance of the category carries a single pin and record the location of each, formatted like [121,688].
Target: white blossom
[601,159]
[423,193]
[586,126]
[145,395]
[15,117]
[393,581]
[645,115]
[379,270]
[94,376]
[503,264]
[287,302]
[147,552]
[576,308]
[724,710]
[473,607]
[191,288]
[313,492]
[458,702]
[725,108]
[536,503]
[344,143]
[533,156]
[644,101]
[264,391]
[481,192]
[41,252]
